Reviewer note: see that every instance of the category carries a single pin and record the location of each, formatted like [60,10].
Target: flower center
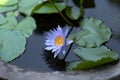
[59,41]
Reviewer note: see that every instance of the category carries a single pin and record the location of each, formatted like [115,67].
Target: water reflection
[116,2]
[55,64]
[86,3]
[3,79]
[47,22]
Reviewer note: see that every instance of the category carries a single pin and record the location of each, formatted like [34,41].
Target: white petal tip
[69,42]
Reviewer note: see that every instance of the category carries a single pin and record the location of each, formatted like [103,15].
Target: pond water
[36,58]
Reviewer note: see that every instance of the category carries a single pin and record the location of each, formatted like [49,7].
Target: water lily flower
[56,41]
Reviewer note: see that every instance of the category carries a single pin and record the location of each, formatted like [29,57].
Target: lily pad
[92,57]
[95,54]
[27,6]
[8,2]
[94,33]
[12,44]
[47,8]
[13,36]
[83,65]
[10,24]
[26,26]
[2,19]
[7,8]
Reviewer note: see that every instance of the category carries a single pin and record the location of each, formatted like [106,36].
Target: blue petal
[66,32]
[50,47]
[55,55]
[55,49]
[64,50]
[57,52]
[59,29]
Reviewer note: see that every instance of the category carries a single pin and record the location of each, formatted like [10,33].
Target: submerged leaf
[12,44]
[95,54]
[14,14]
[73,11]
[48,8]
[94,33]
[82,65]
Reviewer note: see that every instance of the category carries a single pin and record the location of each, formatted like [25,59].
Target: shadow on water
[47,22]
[86,3]
[55,64]
[3,79]
[115,2]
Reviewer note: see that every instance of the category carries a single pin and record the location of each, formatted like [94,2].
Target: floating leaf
[2,2]
[2,19]
[8,2]
[13,36]
[11,23]
[94,33]
[48,8]
[27,6]
[8,5]
[12,44]
[26,26]
[82,65]
[95,54]
[7,8]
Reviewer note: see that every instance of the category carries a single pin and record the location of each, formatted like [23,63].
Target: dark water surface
[36,58]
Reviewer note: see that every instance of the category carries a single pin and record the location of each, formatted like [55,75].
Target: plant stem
[69,31]
[68,51]
[61,13]
[70,45]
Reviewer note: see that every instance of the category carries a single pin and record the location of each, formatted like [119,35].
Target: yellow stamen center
[59,41]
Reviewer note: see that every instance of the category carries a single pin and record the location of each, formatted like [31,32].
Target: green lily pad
[12,44]
[7,8]
[95,54]
[26,26]
[27,6]
[8,2]
[11,23]
[48,8]
[94,33]
[2,19]
[83,65]
[13,36]
[15,13]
